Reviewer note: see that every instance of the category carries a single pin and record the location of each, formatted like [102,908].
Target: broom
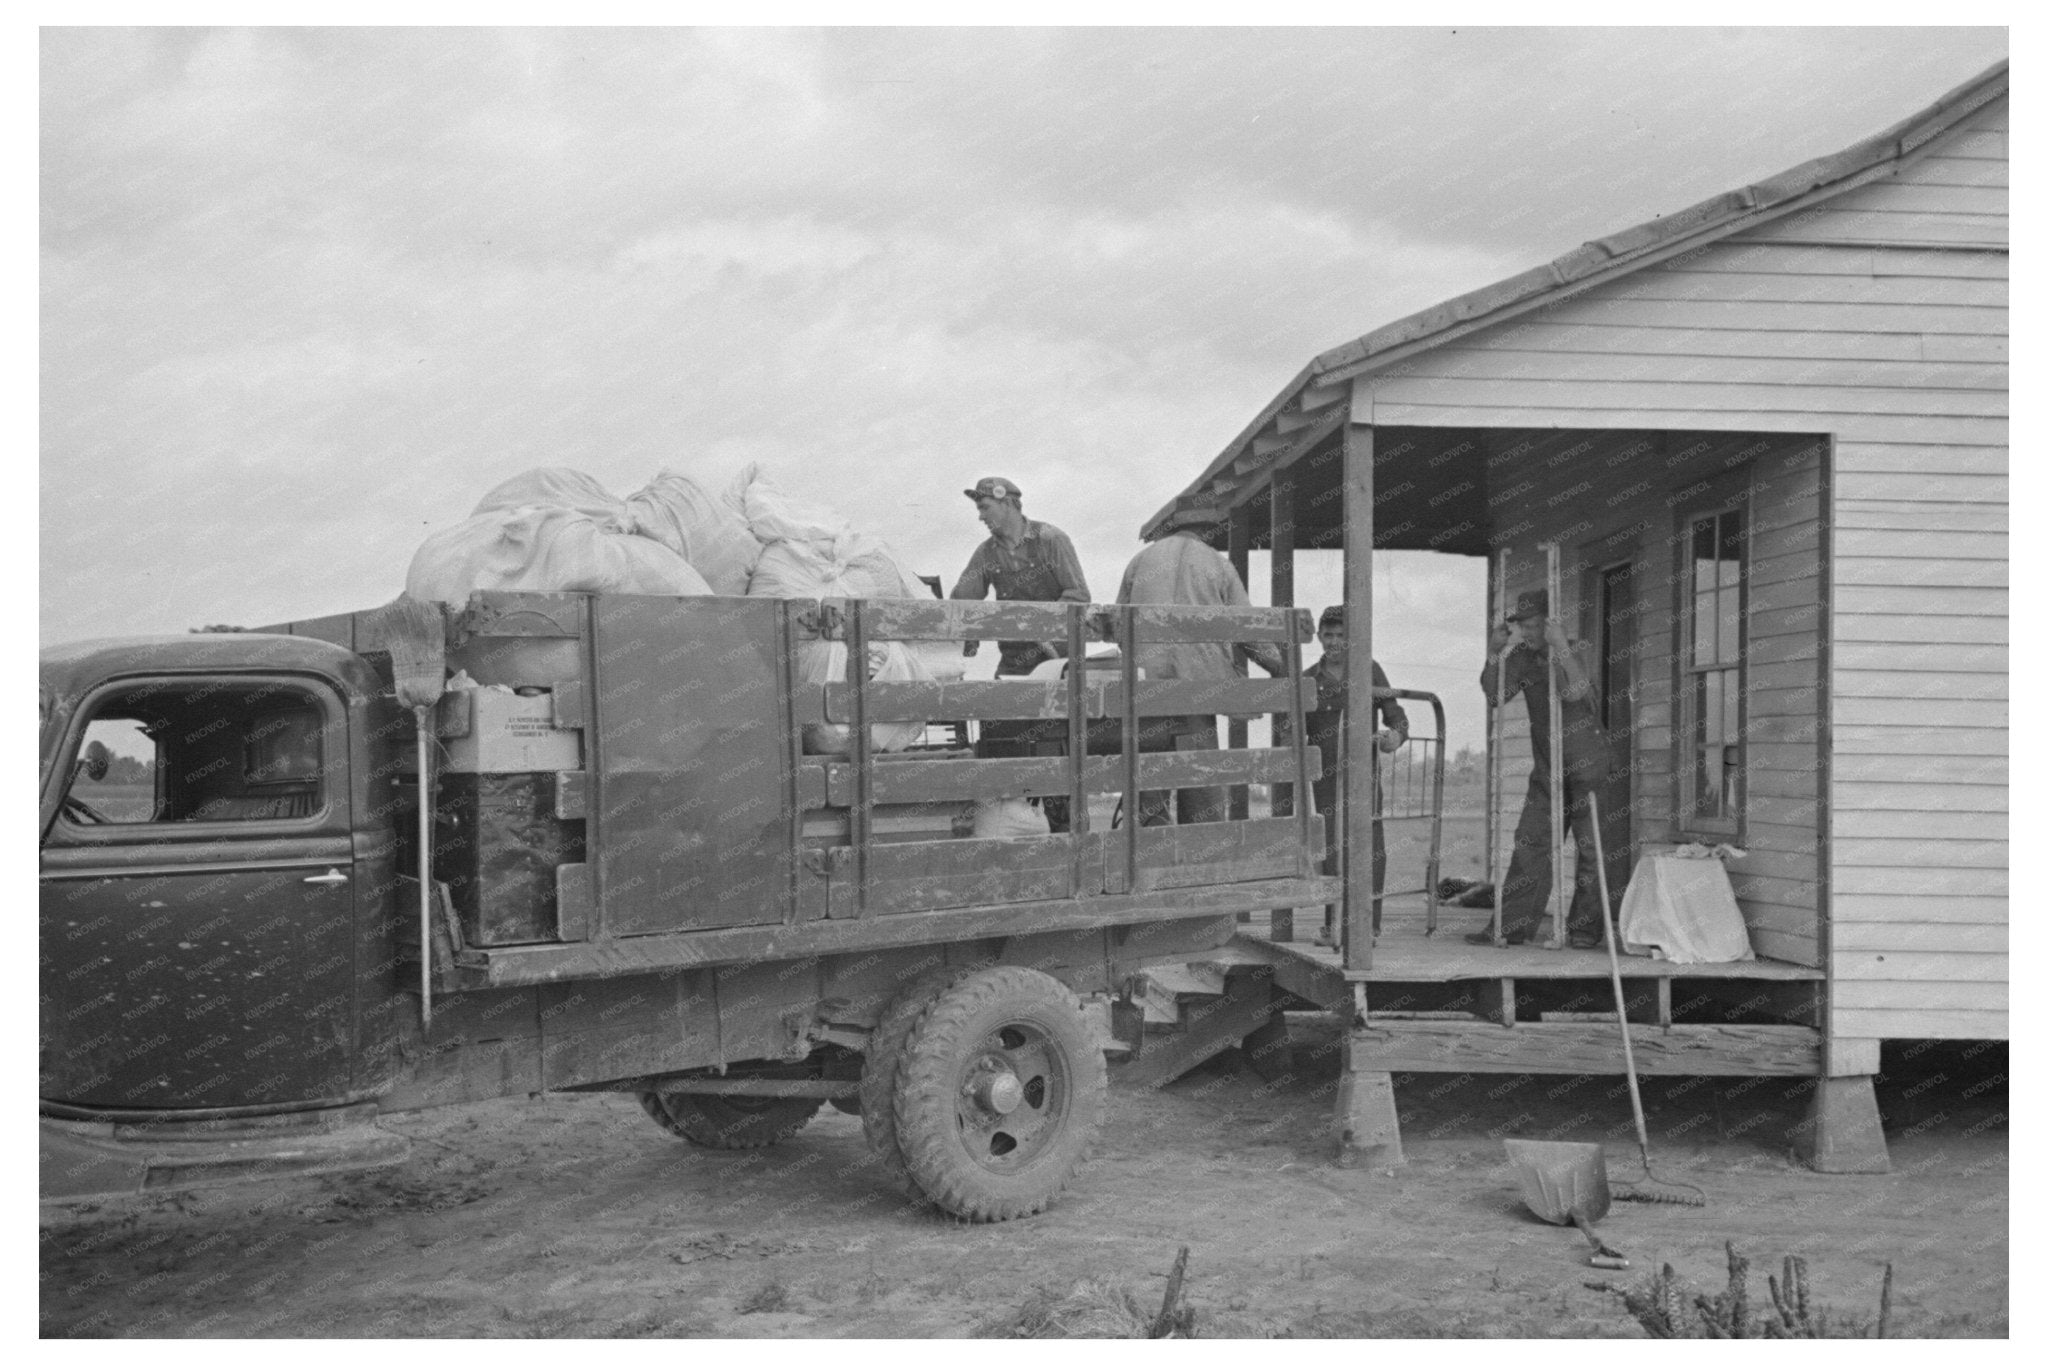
[415,634]
[1648,1189]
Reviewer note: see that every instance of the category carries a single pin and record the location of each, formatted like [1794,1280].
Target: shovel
[1566,1183]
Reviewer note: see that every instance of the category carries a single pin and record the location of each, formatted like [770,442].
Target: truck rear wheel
[729,1122]
[1002,1088]
[884,1063]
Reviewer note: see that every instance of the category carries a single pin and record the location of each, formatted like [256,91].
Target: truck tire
[884,1063]
[1002,1088]
[729,1122]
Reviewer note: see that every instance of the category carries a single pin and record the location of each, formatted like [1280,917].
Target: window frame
[1713,504]
[332,812]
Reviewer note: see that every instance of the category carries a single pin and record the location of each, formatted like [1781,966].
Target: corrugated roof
[1617,254]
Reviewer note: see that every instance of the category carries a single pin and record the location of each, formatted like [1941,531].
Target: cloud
[306,293]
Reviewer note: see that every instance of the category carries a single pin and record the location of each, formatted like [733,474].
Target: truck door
[198,898]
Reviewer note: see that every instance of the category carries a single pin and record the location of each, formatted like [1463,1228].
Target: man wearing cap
[1182,570]
[1021,561]
[1323,723]
[1526,888]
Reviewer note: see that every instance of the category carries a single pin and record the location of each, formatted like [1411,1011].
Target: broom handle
[1496,761]
[1607,932]
[426,823]
[1562,906]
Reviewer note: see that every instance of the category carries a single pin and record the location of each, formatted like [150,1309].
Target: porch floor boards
[1404,952]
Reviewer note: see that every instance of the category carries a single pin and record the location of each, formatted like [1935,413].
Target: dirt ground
[574,1216]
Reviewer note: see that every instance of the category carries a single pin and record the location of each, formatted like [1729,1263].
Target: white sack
[675,510]
[811,551]
[545,550]
[823,661]
[557,486]
[1683,910]
[1010,817]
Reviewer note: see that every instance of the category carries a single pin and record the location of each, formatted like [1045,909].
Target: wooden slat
[1701,390]
[1588,1049]
[1918,657]
[1885,770]
[970,779]
[1907,964]
[1828,288]
[1914,572]
[1468,409]
[1799,948]
[944,874]
[1921,936]
[1921,601]
[1890,851]
[1854,485]
[1916,826]
[1986,880]
[1908,1023]
[1955,229]
[1046,699]
[1895,627]
[1802,259]
[1973,715]
[917,618]
[1921,995]
[1808,371]
[1928,514]
[1867,918]
[1851,684]
[1921,796]
[1172,856]
[1000,699]
[1906,740]
[1904,196]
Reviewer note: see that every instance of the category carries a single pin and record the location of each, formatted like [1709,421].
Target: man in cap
[1182,570]
[1527,670]
[1324,722]
[1021,561]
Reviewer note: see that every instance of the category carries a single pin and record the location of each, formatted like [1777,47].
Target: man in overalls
[1022,561]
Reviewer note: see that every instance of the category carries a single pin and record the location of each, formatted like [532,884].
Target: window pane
[1702,627]
[1728,626]
[124,792]
[1731,708]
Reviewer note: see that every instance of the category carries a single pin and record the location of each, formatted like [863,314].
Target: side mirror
[96,760]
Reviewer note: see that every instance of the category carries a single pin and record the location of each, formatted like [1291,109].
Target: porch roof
[1306,420]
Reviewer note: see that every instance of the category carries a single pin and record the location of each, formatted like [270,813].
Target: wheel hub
[998,1092]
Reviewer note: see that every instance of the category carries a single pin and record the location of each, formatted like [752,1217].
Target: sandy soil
[575,1216]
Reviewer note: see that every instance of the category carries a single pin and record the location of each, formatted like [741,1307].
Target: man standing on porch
[1526,888]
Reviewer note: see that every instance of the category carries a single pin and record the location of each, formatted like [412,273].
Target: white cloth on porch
[1683,910]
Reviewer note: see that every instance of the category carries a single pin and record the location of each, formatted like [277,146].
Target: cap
[1529,604]
[998,489]
[1332,616]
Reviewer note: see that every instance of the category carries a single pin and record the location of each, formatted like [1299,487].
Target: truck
[296,878]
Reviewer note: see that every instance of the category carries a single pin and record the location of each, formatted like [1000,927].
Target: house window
[1712,664]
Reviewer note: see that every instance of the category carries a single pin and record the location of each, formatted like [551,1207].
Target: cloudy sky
[307,294]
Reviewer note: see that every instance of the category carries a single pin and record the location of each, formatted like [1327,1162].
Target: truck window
[208,750]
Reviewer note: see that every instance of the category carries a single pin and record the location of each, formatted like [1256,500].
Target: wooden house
[1768,435]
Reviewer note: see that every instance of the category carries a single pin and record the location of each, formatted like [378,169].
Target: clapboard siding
[1897,1022]
[1877,317]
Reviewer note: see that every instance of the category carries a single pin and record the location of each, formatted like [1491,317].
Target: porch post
[1280,510]
[1240,563]
[1360,753]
